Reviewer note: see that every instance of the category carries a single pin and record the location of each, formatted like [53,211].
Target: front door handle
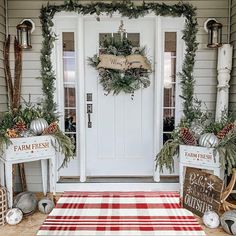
[89,112]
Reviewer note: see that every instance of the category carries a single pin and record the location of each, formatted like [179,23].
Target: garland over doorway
[125,9]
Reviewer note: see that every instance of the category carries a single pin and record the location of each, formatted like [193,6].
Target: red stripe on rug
[121,194]
[120,228]
[123,217]
[120,220]
[122,223]
[117,205]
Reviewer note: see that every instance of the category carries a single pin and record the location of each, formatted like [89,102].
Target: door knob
[89,111]
[89,108]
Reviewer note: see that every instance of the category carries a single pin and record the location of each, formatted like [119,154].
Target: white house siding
[3,96]
[232,98]
[204,72]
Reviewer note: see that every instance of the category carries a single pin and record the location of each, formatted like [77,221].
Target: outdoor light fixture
[214,30]
[24,30]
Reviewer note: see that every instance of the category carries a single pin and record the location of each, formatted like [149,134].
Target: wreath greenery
[114,80]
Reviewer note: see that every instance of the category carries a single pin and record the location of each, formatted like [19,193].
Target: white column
[223,67]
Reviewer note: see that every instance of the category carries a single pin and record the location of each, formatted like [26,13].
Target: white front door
[120,141]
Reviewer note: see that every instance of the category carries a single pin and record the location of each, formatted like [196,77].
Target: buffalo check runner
[120,214]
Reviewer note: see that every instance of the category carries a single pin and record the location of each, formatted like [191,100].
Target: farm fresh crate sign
[202,191]
[30,147]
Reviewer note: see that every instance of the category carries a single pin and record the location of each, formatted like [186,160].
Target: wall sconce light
[214,30]
[24,30]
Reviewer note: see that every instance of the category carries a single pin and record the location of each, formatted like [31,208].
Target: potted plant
[202,131]
[29,120]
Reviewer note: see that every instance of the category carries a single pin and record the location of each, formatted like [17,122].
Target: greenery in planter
[16,123]
[225,130]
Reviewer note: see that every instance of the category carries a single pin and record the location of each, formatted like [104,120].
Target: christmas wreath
[121,66]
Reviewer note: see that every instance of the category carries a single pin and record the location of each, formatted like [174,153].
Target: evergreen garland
[130,10]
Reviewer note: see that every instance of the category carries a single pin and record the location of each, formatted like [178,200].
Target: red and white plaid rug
[120,213]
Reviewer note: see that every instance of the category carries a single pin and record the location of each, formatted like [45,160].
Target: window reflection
[169,85]
[133,37]
[69,79]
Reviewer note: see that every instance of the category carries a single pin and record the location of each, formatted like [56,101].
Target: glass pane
[69,87]
[69,70]
[169,85]
[170,41]
[169,113]
[166,136]
[169,68]
[103,37]
[69,96]
[68,41]
[73,140]
[169,96]
[169,120]
[70,120]
[133,37]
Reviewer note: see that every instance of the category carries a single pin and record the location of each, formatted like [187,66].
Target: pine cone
[187,137]
[225,130]
[20,126]
[52,128]
[11,133]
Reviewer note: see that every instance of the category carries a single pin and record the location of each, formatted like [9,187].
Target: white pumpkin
[14,216]
[38,125]
[45,205]
[208,140]
[211,219]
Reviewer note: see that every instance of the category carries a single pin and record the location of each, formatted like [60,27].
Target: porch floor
[74,179]
[30,225]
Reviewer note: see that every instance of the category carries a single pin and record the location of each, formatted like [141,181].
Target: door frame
[162,24]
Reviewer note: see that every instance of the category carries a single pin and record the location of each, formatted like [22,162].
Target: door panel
[120,142]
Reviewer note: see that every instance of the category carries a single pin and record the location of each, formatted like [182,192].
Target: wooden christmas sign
[123,62]
[202,191]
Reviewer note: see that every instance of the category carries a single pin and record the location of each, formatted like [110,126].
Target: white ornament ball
[14,216]
[228,222]
[211,219]
[45,205]
[208,140]
[38,125]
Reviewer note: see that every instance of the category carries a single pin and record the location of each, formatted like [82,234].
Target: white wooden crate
[199,157]
[30,147]
[202,156]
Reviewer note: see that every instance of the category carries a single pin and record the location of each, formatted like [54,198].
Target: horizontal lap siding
[3,93]
[204,72]
[232,96]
